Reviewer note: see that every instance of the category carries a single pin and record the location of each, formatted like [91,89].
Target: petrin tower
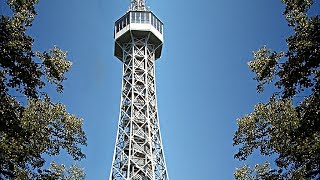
[138,153]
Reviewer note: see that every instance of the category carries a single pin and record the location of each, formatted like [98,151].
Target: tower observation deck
[138,153]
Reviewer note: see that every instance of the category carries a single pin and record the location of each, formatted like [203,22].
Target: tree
[288,125]
[40,127]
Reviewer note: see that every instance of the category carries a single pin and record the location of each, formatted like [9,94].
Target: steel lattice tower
[138,153]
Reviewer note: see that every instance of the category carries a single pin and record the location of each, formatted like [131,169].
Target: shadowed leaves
[286,127]
[31,125]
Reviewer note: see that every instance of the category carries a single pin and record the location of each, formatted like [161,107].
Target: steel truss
[138,153]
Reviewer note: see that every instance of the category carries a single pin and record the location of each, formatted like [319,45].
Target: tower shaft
[138,153]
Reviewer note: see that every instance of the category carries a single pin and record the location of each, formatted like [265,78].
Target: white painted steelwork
[138,153]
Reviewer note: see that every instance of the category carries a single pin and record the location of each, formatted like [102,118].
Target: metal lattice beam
[138,153]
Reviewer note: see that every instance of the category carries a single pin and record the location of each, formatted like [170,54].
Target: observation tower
[138,152]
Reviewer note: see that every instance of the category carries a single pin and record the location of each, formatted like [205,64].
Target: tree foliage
[288,125]
[41,127]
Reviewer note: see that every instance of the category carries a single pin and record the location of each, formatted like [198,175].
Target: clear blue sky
[203,82]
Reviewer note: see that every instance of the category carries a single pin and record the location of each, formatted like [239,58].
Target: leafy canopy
[42,127]
[287,126]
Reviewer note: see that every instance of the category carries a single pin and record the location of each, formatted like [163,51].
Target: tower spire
[138,5]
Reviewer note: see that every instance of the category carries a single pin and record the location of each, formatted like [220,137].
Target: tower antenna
[138,5]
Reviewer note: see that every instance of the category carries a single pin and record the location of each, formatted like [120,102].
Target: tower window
[147,17]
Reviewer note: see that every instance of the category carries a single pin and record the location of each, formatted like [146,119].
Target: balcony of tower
[138,24]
